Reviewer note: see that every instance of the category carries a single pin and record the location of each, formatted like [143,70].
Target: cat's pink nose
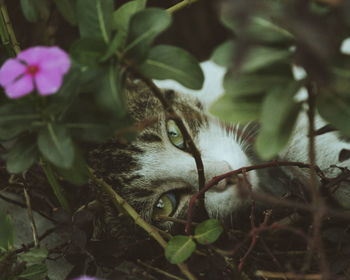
[220,187]
[216,168]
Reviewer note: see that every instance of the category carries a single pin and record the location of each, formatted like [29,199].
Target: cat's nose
[216,168]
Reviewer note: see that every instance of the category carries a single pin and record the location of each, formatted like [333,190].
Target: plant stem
[8,28]
[31,218]
[120,202]
[180,5]
[55,185]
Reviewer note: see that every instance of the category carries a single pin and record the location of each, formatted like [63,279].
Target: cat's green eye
[175,135]
[165,206]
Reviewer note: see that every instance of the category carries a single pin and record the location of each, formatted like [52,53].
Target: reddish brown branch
[217,179]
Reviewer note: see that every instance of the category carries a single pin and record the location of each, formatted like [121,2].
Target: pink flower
[84,277]
[39,67]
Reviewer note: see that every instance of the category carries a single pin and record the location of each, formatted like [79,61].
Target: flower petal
[55,59]
[20,87]
[34,55]
[11,70]
[48,82]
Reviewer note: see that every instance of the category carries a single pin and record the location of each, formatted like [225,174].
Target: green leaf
[265,30]
[179,249]
[111,92]
[278,117]
[237,110]
[260,57]
[208,231]
[116,45]
[121,17]
[15,118]
[335,108]
[88,51]
[67,10]
[56,145]
[34,255]
[223,54]
[34,272]
[168,62]
[34,10]
[78,173]
[252,84]
[6,231]
[145,26]
[95,18]
[23,154]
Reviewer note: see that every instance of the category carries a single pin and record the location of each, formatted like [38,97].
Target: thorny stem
[217,179]
[180,5]
[120,202]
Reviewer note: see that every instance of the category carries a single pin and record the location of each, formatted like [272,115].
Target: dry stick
[217,179]
[26,247]
[317,201]
[289,275]
[120,202]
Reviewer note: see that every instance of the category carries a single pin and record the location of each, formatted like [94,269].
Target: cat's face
[157,175]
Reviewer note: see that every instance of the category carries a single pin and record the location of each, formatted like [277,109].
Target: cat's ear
[212,87]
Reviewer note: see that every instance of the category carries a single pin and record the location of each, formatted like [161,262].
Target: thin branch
[26,247]
[217,179]
[120,202]
[8,27]
[31,218]
[289,275]
[160,271]
[55,185]
[180,6]
[317,200]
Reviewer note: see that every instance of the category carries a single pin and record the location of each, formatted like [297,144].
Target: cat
[157,175]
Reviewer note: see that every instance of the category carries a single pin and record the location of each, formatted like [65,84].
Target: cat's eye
[175,135]
[165,206]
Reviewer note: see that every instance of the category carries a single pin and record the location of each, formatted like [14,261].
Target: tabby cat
[157,175]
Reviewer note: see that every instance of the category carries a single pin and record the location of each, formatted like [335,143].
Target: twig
[55,185]
[175,220]
[317,201]
[25,247]
[160,271]
[254,233]
[118,200]
[22,205]
[180,5]
[8,27]
[217,179]
[272,256]
[289,275]
[31,218]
